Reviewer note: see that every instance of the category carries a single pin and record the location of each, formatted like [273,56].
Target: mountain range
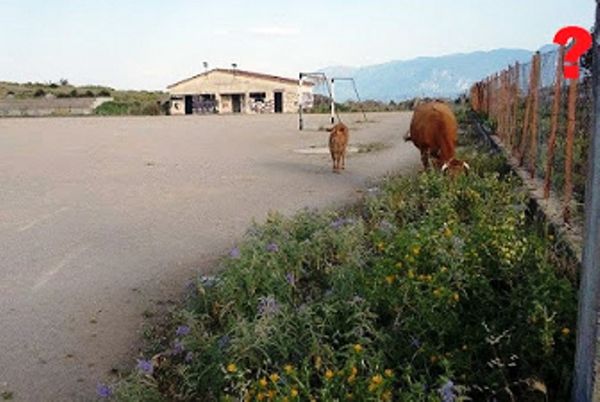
[443,76]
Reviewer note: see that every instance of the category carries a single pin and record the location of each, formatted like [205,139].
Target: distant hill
[444,76]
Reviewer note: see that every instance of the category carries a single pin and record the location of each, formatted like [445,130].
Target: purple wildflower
[386,226]
[415,342]
[447,392]
[290,278]
[178,347]
[103,390]
[338,223]
[235,253]
[272,247]
[145,366]
[208,281]
[223,342]
[182,330]
[357,299]
[189,356]
[268,306]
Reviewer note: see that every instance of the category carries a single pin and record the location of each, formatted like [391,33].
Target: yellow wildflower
[411,274]
[272,394]
[288,368]
[372,387]
[386,396]
[354,370]
[358,348]
[294,393]
[329,374]
[447,232]
[274,377]
[231,368]
[318,362]
[377,379]
[443,270]
[565,331]
[437,292]
[456,297]
[390,279]
[381,246]
[416,250]
[399,265]
[433,358]
[349,397]
[262,382]
[260,396]
[389,373]
[351,379]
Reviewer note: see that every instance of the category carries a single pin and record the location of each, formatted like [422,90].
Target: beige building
[237,91]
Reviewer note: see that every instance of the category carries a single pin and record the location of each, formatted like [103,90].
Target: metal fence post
[585,356]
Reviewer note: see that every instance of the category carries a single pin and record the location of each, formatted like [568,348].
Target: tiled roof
[245,74]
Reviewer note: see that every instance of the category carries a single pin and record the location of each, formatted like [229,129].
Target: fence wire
[545,122]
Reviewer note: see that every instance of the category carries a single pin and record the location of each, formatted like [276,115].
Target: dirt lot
[101,218]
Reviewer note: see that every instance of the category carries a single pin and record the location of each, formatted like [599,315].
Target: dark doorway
[278,102]
[236,102]
[189,104]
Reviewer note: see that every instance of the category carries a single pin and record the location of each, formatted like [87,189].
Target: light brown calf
[338,143]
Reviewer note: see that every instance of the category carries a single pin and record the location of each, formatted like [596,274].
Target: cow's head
[455,167]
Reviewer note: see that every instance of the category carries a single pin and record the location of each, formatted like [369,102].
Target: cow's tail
[407,136]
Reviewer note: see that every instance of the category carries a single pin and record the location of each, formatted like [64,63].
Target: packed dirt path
[103,218]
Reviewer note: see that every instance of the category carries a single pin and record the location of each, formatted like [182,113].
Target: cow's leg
[425,158]
[344,160]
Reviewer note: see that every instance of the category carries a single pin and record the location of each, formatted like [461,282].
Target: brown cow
[338,142]
[433,130]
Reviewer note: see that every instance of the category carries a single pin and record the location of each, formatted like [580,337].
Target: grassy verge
[431,289]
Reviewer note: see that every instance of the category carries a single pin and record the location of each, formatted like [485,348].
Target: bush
[431,289]
[39,93]
[112,108]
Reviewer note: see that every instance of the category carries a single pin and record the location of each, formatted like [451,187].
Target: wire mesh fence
[545,122]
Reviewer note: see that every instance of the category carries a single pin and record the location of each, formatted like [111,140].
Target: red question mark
[582,42]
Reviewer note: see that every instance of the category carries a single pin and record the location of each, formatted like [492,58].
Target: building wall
[224,84]
[50,106]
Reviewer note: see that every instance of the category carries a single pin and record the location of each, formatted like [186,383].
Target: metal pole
[333,101]
[300,117]
[585,355]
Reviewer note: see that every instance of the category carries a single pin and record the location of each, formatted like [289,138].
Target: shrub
[431,289]
[112,108]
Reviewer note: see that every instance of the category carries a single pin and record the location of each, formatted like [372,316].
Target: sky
[149,44]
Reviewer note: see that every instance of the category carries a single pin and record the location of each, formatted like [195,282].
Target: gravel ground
[101,219]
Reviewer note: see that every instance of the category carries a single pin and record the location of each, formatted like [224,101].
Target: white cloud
[221,32]
[275,31]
